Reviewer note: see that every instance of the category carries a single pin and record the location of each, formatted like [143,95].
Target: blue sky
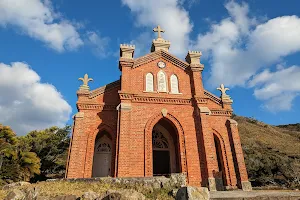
[45,46]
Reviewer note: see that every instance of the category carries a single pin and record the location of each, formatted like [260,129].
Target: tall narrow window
[149,82]
[174,84]
[161,82]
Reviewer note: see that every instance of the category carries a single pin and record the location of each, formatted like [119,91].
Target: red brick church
[157,120]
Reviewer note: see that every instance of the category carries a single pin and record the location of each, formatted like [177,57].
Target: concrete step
[256,195]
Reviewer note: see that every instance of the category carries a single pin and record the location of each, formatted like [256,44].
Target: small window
[149,82]
[174,84]
[161,82]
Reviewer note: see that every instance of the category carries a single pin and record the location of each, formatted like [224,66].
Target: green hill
[272,153]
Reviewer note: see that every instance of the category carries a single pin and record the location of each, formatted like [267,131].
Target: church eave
[213,97]
[158,54]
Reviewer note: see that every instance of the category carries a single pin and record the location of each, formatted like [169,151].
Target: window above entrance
[103,147]
[159,141]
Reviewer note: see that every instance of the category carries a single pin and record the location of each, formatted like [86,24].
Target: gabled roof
[157,54]
[104,88]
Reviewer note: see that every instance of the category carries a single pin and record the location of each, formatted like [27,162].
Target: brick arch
[148,171]
[224,155]
[91,146]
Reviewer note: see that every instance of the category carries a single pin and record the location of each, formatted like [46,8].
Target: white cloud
[99,44]
[27,104]
[278,88]
[239,46]
[280,103]
[37,19]
[170,15]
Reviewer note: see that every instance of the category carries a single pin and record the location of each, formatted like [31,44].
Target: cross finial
[223,89]
[85,80]
[159,30]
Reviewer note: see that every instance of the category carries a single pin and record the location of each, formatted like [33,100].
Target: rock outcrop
[192,193]
[126,194]
[16,184]
[33,194]
[15,194]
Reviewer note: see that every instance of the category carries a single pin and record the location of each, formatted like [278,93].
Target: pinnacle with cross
[159,30]
[85,80]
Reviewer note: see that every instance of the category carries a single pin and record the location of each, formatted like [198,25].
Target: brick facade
[128,114]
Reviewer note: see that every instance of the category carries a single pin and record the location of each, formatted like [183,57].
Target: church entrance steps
[255,195]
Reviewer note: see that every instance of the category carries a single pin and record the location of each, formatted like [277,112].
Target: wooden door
[102,162]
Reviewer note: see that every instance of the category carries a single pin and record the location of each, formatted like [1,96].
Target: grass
[3,193]
[53,189]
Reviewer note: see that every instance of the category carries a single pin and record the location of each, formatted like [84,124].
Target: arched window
[158,140]
[149,82]
[174,84]
[161,82]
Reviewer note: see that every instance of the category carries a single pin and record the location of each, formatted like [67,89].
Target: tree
[7,141]
[51,146]
[16,163]
[29,165]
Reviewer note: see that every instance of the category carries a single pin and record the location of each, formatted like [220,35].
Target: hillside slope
[272,153]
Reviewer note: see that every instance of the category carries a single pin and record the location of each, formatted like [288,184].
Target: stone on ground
[42,198]
[16,184]
[90,195]
[65,197]
[125,194]
[15,194]
[31,193]
[192,193]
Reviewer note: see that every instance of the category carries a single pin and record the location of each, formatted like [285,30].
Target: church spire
[160,43]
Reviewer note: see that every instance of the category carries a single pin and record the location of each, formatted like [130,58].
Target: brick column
[193,58]
[209,146]
[238,156]
[124,120]
[77,151]
[124,140]
[125,63]
[232,174]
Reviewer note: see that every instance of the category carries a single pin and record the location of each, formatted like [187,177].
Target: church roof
[158,54]
[104,88]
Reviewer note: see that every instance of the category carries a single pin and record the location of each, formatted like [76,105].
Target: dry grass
[3,193]
[53,189]
[282,140]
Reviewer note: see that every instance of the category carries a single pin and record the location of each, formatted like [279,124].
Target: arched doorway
[102,155]
[165,148]
[220,176]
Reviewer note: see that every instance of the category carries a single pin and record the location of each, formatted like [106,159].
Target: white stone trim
[205,110]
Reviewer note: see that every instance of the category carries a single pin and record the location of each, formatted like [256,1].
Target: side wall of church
[92,118]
